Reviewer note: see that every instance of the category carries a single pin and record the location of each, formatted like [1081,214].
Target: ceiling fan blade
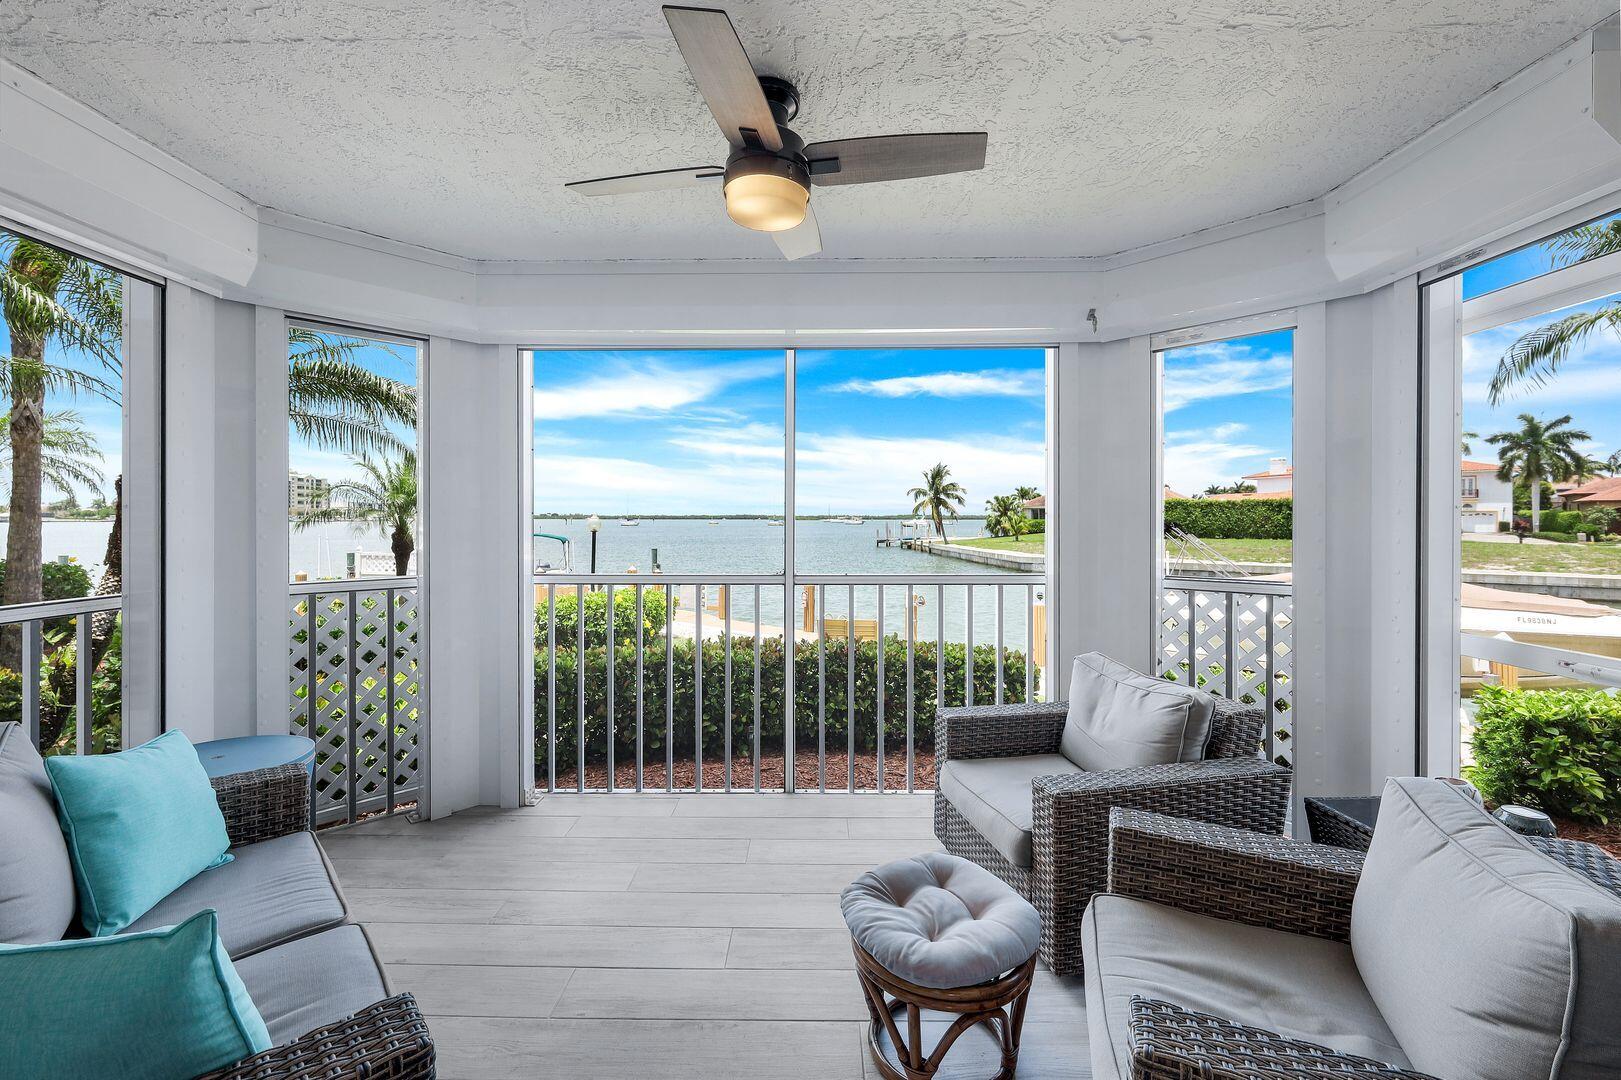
[894,157]
[664,180]
[801,240]
[710,46]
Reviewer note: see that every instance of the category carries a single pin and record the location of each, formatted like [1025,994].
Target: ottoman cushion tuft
[939,921]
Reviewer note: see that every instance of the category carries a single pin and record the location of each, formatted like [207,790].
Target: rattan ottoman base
[999,1005]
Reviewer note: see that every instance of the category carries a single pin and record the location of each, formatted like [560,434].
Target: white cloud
[855,473]
[761,442]
[1222,369]
[626,387]
[1191,466]
[997,382]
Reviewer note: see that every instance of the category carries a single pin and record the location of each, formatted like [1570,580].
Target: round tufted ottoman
[940,933]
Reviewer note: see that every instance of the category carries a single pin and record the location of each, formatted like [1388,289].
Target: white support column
[474,598]
[270,565]
[142,471]
[1440,597]
[1100,565]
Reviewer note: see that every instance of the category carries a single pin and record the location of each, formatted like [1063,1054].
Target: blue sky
[1228,409]
[104,419]
[701,431]
[397,362]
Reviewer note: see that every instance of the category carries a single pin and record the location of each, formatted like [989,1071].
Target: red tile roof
[1037,503]
[1467,467]
[1604,489]
[1289,470]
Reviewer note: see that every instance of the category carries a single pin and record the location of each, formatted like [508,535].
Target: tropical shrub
[1556,537]
[1556,750]
[1599,521]
[1561,521]
[835,711]
[596,616]
[1245,519]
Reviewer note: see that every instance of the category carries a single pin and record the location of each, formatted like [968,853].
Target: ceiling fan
[769,172]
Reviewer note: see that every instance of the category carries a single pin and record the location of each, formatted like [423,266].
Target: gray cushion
[37,897]
[940,921]
[1489,959]
[314,981]
[271,892]
[1298,986]
[1122,719]
[994,795]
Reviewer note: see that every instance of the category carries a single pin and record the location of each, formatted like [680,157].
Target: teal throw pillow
[156,1005]
[139,824]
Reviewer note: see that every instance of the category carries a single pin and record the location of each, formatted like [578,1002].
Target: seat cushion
[139,824]
[272,892]
[1123,719]
[36,879]
[314,981]
[152,1006]
[940,921]
[1489,959]
[1300,987]
[993,794]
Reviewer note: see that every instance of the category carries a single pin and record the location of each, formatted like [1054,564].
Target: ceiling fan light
[766,199]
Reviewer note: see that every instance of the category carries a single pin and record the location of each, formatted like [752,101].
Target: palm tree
[1539,451]
[1466,444]
[1024,493]
[68,453]
[939,496]
[1237,487]
[335,403]
[1537,354]
[1611,465]
[1002,513]
[385,496]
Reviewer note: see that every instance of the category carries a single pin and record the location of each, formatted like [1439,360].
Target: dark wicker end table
[1348,822]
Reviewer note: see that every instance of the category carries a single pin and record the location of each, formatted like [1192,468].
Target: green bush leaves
[1556,750]
[1238,519]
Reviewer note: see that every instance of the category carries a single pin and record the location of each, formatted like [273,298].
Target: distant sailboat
[774,521]
[628,523]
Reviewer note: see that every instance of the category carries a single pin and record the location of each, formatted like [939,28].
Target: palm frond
[1537,354]
[348,432]
[1586,242]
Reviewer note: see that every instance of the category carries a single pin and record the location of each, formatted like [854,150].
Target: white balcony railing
[1234,637]
[355,687]
[691,695]
[54,682]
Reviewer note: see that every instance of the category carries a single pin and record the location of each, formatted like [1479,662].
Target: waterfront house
[793,288]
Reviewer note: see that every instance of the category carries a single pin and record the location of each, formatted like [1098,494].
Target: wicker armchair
[388,1040]
[1246,877]
[1070,815]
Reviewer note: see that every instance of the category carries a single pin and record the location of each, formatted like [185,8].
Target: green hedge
[1556,750]
[1561,521]
[596,616]
[771,686]
[1556,537]
[1238,519]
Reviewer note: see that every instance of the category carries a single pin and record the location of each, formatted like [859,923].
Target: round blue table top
[222,757]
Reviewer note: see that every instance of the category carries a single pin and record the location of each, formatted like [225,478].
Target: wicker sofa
[312,973]
[1066,822]
[1452,948]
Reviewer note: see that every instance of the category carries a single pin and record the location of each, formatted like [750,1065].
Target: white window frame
[1446,320]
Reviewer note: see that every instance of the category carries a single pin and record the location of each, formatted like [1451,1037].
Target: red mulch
[771,773]
[1607,837]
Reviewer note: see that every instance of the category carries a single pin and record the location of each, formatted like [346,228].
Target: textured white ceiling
[455,123]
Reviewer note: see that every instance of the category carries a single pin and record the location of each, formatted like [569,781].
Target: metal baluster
[1192,628]
[579,687]
[608,666]
[819,598]
[850,686]
[641,627]
[911,633]
[349,711]
[726,648]
[878,688]
[968,650]
[388,705]
[1228,635]
[81,675]
[788,673]
[756,732]
[30,673]
[999,649]
[698,694]
[939,649]
[669,687]
[551,687]
[1029,643]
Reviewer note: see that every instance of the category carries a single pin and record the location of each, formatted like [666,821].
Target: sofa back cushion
[139,824]
[1487,958]
[36,878]
[1122,719]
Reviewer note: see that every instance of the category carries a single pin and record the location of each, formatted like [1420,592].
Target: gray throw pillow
[1123,719]
[37,898]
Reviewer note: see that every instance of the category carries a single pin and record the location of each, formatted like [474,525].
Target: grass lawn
[1477,555]
[1029,544]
